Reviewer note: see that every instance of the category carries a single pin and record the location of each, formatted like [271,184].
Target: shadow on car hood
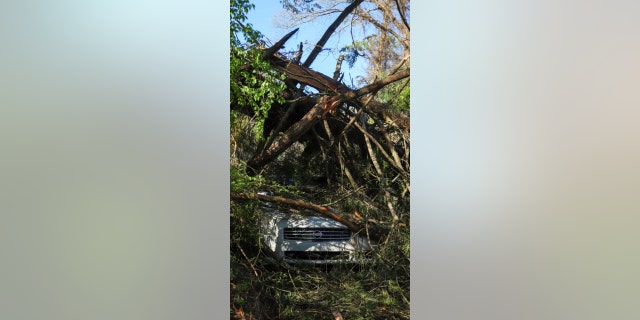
[294,220]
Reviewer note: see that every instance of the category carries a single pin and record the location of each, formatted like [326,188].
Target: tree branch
[274,48]
[378,84]
[327,34]
[324,211]
[375,23]
[318,111]
[290,136]
[401,11]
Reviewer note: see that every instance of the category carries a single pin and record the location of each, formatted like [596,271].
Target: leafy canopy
[254,83]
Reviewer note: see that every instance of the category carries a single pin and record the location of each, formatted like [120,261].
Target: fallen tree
[351,139]
[327,147]
[334,95]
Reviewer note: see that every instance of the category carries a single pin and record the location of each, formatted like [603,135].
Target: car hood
[293,220]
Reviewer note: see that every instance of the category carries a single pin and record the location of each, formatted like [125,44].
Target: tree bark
[274,48]
[290,136]
[324,83]
[307,76]
[319,110]
[336,73]
[324,211]
[378,84]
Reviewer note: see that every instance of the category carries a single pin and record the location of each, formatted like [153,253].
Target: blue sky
[262,18]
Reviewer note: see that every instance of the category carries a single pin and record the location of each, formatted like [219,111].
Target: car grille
[315,255]
[317,234]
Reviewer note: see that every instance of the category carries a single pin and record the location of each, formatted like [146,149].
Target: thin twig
[248,260]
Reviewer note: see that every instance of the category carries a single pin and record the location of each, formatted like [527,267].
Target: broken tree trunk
[255,165]
[327,84]
[315,114]
[335,94]
[278,45]
[336,73]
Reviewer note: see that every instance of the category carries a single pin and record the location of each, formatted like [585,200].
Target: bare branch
[378,84]
[387,196]
[298,54]
[336,73]
[401,11]
[370,19]
[395,165]
[327,34]
[346,171]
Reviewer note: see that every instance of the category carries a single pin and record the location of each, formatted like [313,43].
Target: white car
[295,238]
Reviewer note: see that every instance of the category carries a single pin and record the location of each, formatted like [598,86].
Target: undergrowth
[261,289]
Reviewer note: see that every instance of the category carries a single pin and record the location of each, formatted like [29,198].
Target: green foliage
[242,182]
[396,95]
[253,83]
[357,293]
[242,33]
[244,139]
[376,290]
[402,102]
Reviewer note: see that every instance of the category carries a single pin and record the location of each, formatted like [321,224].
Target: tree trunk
[255,165]
[317,112]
